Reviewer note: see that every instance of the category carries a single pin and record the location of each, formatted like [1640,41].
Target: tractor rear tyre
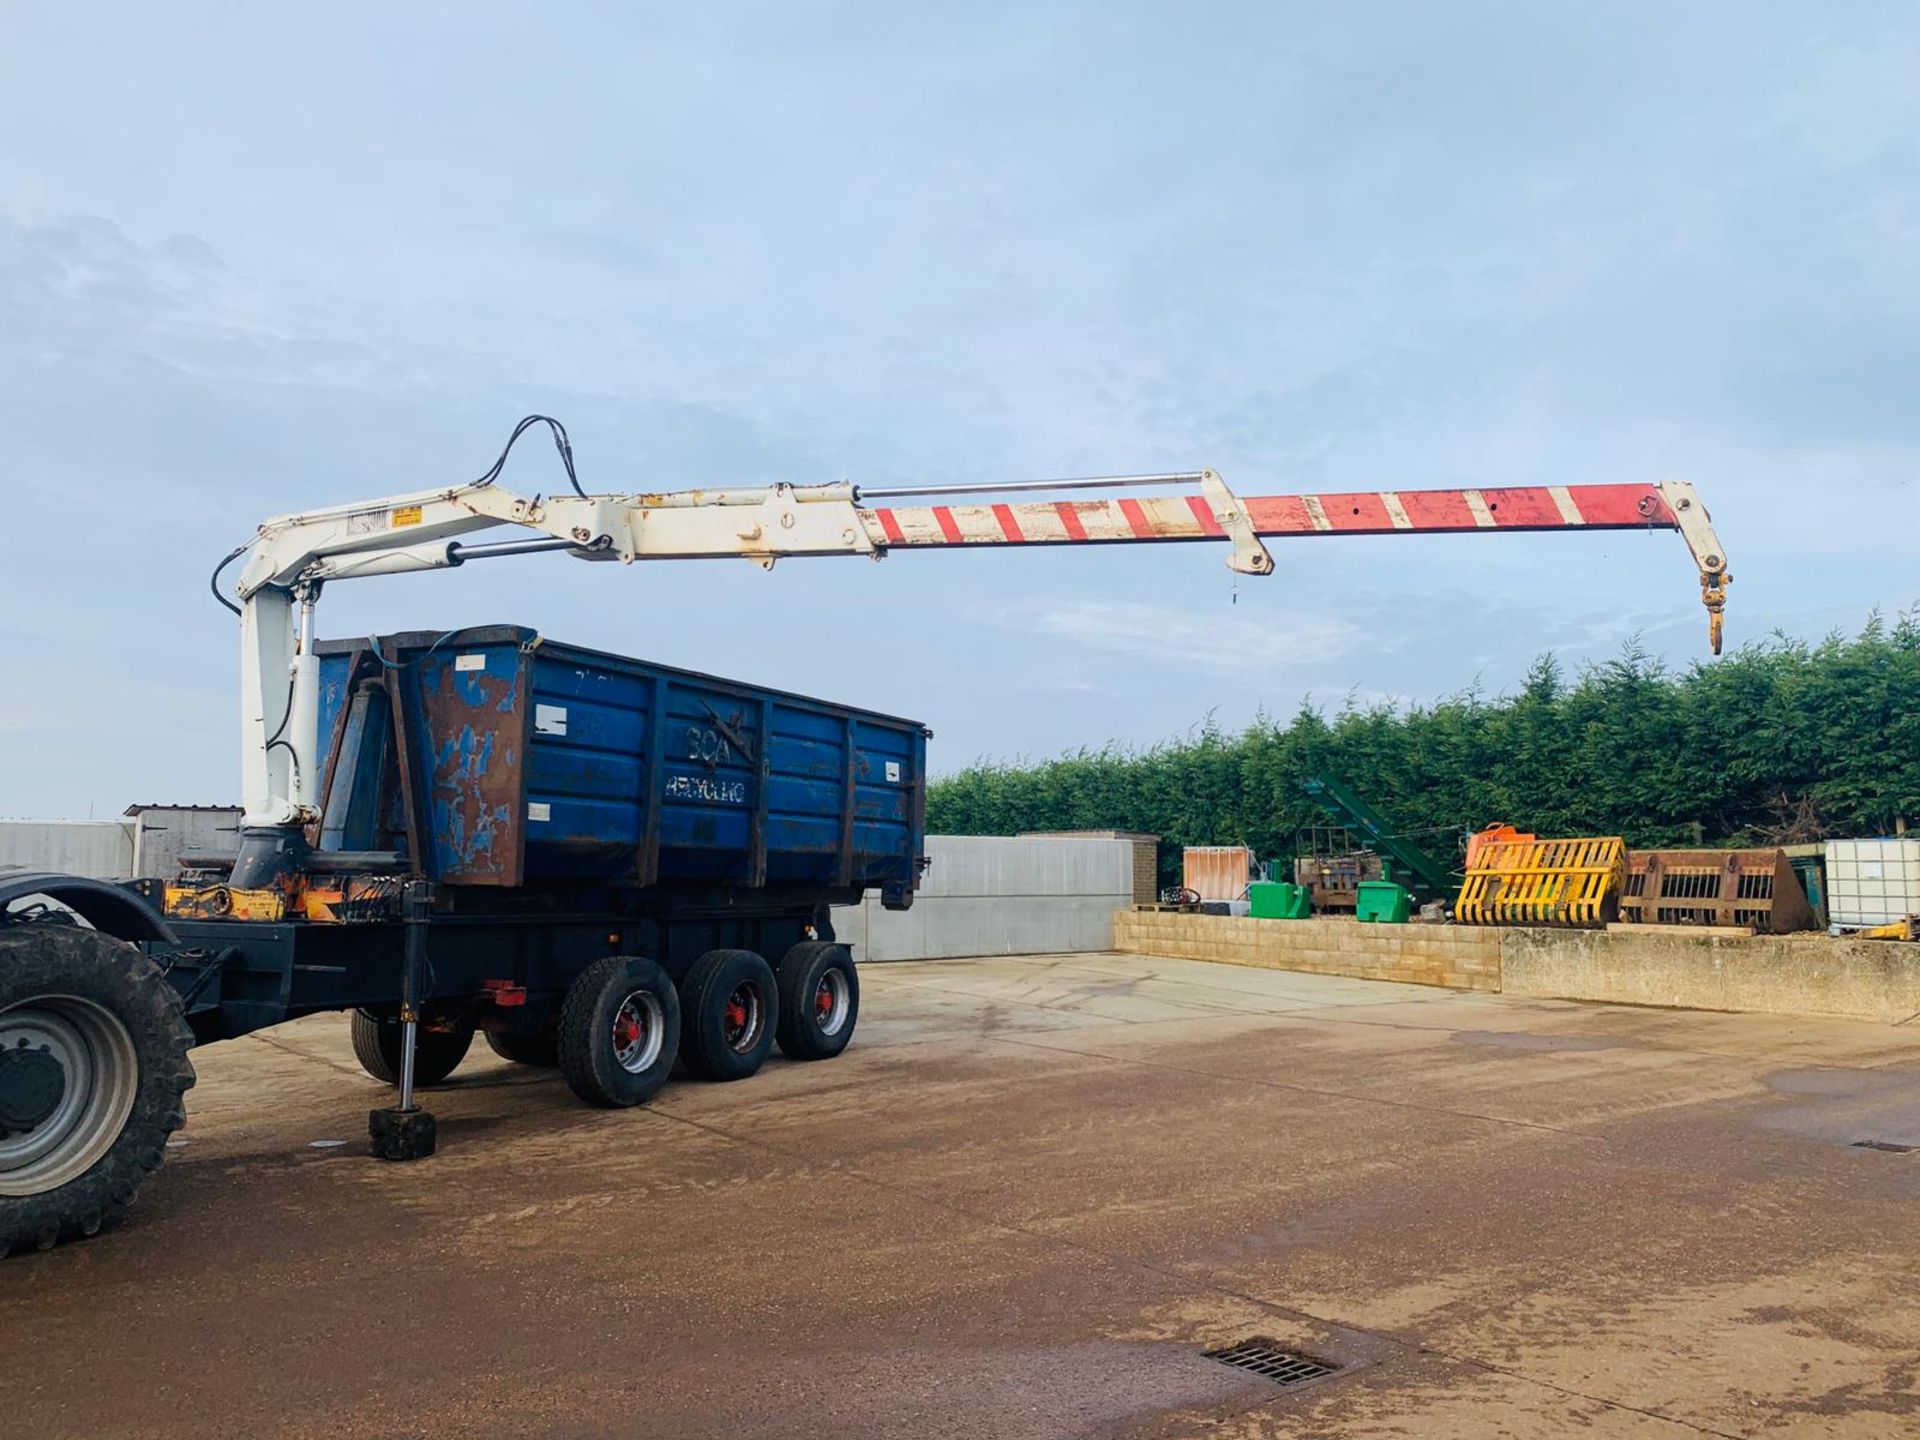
[819,1000]
[93,1065]
[727,1004]
[541,1051]
[436,1053]
[619,1031]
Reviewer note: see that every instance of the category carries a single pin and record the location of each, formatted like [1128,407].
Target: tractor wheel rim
[743,1018]
[639,1030]
[72,1120]
[832,1001]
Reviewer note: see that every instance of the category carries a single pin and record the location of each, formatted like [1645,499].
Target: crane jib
[1190,517]
[1218,514]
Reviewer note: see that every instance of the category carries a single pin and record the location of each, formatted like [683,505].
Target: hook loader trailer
[599,864]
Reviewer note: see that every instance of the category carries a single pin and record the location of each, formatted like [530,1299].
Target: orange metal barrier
[1574,883]
[1492,835]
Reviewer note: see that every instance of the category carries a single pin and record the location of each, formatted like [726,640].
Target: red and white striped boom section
[1214,513]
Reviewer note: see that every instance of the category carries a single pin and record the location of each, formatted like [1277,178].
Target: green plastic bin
[1278,900]
[1383,902]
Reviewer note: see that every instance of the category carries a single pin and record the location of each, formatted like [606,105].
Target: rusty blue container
[523,760]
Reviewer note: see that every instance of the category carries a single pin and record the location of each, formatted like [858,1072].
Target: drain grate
[1887,1146]
[1264,1358]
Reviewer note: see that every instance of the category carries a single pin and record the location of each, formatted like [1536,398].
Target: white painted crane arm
[293,556]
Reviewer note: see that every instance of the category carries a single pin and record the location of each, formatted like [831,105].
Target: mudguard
[107,907]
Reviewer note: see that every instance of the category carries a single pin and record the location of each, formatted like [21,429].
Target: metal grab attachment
[1572,883]
[1747,889]
[1713,594]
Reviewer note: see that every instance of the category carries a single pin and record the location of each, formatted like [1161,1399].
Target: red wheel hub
[823,1001]
[626,1030]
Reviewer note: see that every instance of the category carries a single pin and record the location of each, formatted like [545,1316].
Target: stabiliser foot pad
[401,1134]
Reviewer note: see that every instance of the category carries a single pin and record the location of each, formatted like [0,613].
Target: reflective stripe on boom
[1188,517]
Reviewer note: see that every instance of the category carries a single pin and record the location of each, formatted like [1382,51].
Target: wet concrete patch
[1875,1108]
[1525,1042]
[1011,1392]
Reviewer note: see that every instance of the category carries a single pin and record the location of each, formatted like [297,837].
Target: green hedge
[1779,742]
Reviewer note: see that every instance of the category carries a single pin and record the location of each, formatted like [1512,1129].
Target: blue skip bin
[545,761]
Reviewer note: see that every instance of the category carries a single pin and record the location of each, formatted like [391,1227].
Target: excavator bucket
[1572,883]
[1749,889]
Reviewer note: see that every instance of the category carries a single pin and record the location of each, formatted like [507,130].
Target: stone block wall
[1764,974]
[1455,956]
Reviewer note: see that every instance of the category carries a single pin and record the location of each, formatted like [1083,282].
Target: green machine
[1278,900]
[1424,877]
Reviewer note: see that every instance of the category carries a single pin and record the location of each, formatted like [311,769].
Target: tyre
[540,1050]
[727,1004]
[436,1053]
[93,1065]
[619,1031]
[819,1000]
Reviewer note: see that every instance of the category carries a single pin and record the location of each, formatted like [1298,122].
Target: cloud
[1474,244]
[1240,644]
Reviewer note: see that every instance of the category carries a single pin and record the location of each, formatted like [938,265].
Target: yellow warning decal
[406,515]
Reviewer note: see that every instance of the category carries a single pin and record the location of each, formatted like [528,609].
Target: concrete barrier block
[1788,975]
[1769,974]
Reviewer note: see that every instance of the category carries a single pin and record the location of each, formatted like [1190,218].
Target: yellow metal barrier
[1575,883]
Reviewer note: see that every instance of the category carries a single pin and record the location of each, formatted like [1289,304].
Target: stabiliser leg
[406,1132]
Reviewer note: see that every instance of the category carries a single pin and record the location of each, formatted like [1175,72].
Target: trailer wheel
[541,1051]
[619,1031]
[819,1000]
[93,1065]
[728,1002]
[436,1054]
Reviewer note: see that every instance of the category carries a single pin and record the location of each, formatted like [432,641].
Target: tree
[1778,739]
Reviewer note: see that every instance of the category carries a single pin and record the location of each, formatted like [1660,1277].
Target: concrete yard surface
[1023,1205]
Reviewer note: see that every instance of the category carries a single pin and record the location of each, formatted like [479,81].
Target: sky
[261,258]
